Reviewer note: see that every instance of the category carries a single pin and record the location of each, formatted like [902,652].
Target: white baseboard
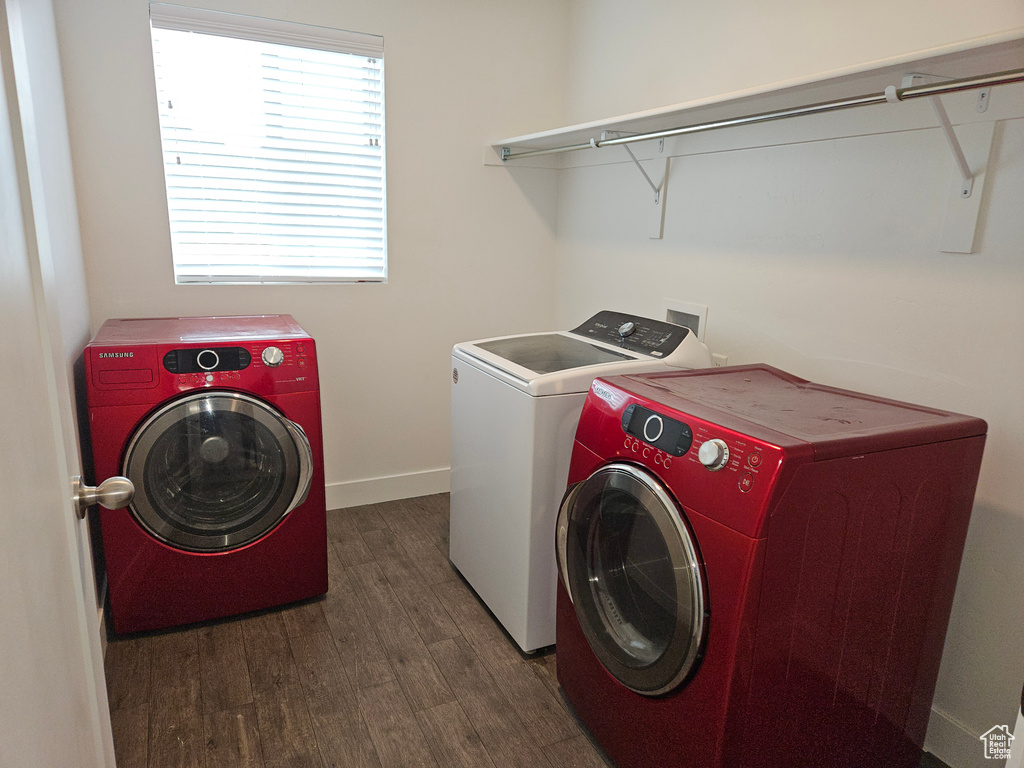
[355,493]
[954,743]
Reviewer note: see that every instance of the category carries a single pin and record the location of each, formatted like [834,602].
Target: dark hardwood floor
[398,665]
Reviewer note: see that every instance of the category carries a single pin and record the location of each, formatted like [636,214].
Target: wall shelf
[807,106]
[969,59]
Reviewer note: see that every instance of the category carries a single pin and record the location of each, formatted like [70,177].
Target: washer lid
[567,362]
[551,352]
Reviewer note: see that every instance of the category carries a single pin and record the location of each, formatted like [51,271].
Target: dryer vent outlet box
[687,314]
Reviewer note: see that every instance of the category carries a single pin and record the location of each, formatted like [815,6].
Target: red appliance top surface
[766,403]
[169,330]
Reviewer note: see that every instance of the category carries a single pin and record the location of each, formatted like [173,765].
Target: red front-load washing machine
[757,571]
[216,421]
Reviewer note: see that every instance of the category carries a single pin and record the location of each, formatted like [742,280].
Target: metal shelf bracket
[975,140]
[657,188]
[916,78]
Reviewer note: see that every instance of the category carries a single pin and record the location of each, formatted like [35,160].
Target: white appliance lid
[568,361]
[550,352]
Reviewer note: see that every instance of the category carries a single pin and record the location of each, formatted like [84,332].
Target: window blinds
[273,148]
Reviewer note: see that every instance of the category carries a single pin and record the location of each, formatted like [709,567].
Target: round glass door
[216,470]
[632,570]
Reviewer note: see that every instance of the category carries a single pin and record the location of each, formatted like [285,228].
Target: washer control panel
[664,433]
[207,360]
[638,334]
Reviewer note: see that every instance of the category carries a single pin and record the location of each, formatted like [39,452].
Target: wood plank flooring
[399,665]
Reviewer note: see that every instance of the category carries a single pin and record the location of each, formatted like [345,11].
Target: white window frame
[270,268]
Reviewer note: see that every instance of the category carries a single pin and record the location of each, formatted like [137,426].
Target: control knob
[273,356]
[627,328]
[713,454]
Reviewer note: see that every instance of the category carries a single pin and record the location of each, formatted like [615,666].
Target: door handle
[305,462]
[562,534]
[113,493]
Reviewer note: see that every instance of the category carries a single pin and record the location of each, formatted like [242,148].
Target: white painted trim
[101,608]
[184,19]
[103,633]
[1017,745]
[953,742]
[373,490]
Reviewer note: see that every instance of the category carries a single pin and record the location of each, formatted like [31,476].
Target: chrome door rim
[285,431]
[669,519]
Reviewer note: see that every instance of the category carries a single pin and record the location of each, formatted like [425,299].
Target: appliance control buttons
[663,432]
[273,356]
[713,454]
[627,329]
[653,428]
[754,459]
[207,359]
[302,362]
[746,482]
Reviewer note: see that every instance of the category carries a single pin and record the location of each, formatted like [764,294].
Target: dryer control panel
[721,473]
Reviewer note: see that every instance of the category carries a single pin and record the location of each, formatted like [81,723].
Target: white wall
[822,258]
[659,52]
[469,254]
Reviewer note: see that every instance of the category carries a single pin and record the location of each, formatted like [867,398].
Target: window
[273,148]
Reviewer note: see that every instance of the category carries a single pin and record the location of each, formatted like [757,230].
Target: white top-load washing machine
[515,404]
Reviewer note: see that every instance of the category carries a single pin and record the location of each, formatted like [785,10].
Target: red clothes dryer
[216,421]
[757,571]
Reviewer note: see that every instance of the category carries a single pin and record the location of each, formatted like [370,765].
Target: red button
[299,348]
[754,459]
[302,362]
[746,482]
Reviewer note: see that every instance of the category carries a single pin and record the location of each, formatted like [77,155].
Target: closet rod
[891,94]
